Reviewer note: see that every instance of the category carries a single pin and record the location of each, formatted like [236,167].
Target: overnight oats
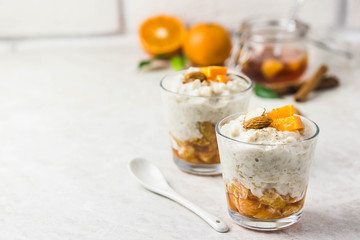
[266,160]
[194,100]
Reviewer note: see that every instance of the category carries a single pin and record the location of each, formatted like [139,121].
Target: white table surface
[71,117]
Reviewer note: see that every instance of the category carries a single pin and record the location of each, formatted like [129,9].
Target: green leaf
[144,63]
[149,61]
[178,63]
[265,92]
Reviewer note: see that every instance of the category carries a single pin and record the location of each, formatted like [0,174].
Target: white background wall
[21,18]
[228,12]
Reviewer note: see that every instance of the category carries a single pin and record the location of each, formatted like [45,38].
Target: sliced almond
[257,122]
[256,112]
[192,76]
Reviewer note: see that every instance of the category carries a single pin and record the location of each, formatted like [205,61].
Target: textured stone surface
[72,117]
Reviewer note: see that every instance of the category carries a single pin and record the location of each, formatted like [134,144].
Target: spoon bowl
[148,175]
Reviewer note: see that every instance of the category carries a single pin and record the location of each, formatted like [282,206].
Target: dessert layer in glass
[271,205]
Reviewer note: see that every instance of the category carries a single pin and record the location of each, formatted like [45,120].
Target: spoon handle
[213,221]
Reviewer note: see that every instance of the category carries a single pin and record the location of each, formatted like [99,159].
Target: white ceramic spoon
[152,179]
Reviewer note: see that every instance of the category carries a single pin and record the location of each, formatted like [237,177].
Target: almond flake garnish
[192,76]
[256,112]
[258,122]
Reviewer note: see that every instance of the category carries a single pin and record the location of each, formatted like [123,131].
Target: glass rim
[317,131]
[240,75]
[248,24]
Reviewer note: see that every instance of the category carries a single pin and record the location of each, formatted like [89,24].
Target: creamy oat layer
[268,135]
[188,104]
[284,165]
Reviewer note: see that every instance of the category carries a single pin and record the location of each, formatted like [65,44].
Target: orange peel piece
[222,79]
[212,72]
[291,123]
[281,112]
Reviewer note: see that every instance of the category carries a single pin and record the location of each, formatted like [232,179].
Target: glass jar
[272,50]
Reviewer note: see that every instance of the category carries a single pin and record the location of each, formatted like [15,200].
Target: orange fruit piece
[233,202]
[291,123]
[268,213]
[249,207]
[222,79]
[295,65]
[271,67]
[281,112]
[162,34]
[212,72]
[207,44]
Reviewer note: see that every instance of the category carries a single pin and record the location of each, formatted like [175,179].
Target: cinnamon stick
[311,84]
[326,82]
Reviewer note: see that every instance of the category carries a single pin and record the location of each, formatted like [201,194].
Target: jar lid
[273,29]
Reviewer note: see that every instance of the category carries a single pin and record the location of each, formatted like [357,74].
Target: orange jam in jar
[273,50]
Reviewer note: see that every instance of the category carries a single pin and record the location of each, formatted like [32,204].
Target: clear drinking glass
[266,183]
[191,121]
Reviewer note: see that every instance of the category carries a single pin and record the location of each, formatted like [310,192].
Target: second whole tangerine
[207,44]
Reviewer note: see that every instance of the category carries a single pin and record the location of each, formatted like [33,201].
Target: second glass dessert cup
[191,121]
[266,183]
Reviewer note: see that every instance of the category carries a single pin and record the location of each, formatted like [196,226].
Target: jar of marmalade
[273,50]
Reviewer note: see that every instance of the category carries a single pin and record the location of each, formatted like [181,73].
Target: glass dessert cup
[266,183]
[273,50]
[191,121]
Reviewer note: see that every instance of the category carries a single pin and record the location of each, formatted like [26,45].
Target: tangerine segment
[222,79]
[212,72]
[282,112]
[271,67]
[291,123]
[162,34]
[295,65]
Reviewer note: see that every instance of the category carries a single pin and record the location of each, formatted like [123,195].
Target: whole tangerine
[207,44]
